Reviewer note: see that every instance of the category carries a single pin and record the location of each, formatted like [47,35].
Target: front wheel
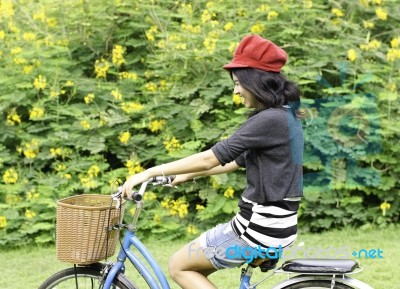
[316,284]
[84,278]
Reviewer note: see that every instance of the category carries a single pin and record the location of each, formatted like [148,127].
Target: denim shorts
[215,243]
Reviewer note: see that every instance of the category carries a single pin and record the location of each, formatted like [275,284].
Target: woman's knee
[173,266]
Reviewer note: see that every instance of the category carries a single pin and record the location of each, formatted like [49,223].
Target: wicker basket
[82,228]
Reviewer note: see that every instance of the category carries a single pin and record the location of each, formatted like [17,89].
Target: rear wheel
[317,284]
[84,278]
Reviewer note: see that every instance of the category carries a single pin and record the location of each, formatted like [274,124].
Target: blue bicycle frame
[125,252]
[130,239]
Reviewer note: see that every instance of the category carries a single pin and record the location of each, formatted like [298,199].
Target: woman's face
[248,99]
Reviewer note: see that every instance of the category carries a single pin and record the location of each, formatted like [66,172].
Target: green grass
[29,267]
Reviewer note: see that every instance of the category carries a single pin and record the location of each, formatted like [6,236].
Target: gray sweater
[270,146]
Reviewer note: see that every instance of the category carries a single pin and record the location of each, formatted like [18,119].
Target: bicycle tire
[87,278]
[317,284]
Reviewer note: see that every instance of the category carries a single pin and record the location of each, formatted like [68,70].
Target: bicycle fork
[245,278]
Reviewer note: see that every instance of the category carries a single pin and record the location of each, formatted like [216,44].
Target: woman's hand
[179,179]
[133,181]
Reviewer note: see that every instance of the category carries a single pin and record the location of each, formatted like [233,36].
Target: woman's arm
[214,171]
[196,163]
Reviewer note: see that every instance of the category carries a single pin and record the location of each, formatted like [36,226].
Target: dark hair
[271,89]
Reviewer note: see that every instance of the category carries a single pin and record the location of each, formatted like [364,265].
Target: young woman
[269,145]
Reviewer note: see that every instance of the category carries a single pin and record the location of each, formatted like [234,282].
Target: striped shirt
[267,225]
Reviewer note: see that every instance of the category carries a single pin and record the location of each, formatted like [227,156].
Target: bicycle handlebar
[137,196]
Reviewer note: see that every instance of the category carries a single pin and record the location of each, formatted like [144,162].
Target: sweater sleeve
[258,132]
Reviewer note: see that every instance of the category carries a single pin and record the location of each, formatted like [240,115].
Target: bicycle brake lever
[171,186]
[116,197]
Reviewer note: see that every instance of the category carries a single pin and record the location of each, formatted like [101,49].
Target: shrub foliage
[93,91]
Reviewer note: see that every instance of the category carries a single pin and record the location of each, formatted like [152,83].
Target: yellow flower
[128,75]
[29,36]
[172,144]
[384,206]
[32,194]
[31,149]
[393,54]
[157,125]
[394,43]
[118,55]
[257,28]
[19,60]
[85,124]
[67,176]
[2,34]
[368,24]
[199,207]
[3,222]
[54,152]
[206,16]
[381,14]
[133,167]
[178,207]
[16,50]
[124,137]
[10,176]
[116,94]
[228,26]
[372,45]
[29,214]
[149,196]
[36,112]
[27,69]
[51,22]
[262,8]
[188,8]
[237,99]
[229,192]
[13,118]
[101,68]
[60,167]
[40,15]
[39,82]
[272,15]
[93,171]
[232,47]
[131,106]
[307,4]
[351,55]
[54,93]
[192,229]
[89,98]
[87,181]
[151,86]
[337,12]
[69,83]
[151,32]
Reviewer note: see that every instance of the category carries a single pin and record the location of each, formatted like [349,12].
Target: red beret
[257,52]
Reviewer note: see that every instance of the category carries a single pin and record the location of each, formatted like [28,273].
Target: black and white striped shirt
[267,225]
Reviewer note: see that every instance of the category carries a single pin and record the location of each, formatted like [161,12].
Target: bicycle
[308,273]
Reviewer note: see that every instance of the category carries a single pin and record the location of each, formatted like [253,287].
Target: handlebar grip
[136,197]
[164,179]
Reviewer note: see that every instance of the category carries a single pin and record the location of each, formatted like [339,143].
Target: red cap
[257,52]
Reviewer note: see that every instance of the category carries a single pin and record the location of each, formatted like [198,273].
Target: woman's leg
[189,267]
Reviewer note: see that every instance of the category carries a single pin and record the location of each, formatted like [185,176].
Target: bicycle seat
[322,266]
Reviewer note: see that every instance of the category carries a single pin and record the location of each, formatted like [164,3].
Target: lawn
[28,267]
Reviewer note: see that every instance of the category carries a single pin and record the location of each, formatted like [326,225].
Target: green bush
[93,91]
